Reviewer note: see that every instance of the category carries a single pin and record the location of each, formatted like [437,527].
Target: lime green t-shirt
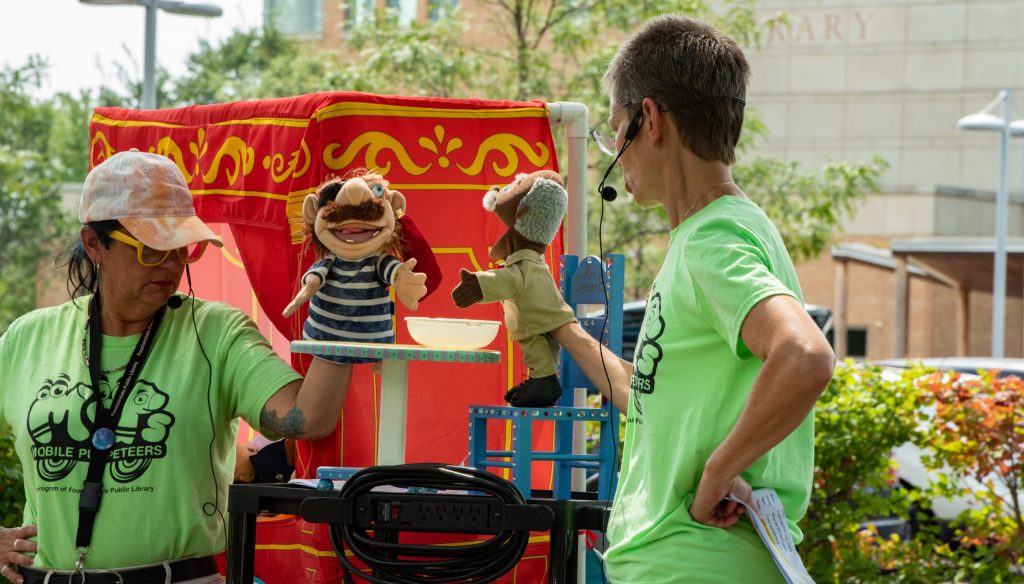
[160,498]
[692,375]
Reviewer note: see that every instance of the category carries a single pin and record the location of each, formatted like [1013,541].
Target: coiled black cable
[396,563]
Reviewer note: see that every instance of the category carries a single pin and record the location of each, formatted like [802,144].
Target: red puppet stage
[250,164]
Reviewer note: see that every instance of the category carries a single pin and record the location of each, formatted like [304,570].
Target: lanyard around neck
[132,369]
[105,420]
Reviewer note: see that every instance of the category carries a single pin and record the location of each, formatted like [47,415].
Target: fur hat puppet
[532,209]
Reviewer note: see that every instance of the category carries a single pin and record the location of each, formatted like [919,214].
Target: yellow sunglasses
[150,257]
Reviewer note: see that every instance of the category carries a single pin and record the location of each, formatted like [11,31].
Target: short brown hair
[692,70]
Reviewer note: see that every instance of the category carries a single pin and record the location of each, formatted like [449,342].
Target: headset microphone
[174,302]
[608,192]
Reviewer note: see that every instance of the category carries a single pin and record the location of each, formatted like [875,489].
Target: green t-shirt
[160,499]
[692,374]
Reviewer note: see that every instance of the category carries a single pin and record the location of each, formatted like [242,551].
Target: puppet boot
[535,392]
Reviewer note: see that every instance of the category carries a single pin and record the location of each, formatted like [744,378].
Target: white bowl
[452,333]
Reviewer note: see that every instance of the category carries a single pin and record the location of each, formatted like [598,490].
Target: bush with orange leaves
[976,449]
[971,430]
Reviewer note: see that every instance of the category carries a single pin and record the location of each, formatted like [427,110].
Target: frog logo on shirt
[61,415]
[648,352]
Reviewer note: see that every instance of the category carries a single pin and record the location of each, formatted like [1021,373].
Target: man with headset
[728,364]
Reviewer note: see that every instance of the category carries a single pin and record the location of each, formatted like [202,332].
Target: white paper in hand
[770,522]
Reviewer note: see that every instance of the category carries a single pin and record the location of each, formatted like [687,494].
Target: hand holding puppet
[531,208]
[352,225]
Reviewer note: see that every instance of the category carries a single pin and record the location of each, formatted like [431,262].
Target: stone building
[848,80]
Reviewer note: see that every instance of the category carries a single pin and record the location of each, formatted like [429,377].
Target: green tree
[555,50]
[31,217]
[239,68]
[418,59]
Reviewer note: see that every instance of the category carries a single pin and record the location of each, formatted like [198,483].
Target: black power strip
[427,512]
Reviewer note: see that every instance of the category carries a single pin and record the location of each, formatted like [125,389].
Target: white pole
[573,116]
[149,63]
[1002,210]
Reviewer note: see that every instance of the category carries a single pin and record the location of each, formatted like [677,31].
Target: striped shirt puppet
[352,225]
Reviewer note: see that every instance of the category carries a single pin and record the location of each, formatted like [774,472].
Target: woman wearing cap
[124,402]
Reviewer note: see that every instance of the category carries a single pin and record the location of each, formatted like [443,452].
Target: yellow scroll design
[198,147]
[107,151]
[507,145]
[428,144]
[239,152]
[169,148]
[281,171]
[234,148]
[374,143]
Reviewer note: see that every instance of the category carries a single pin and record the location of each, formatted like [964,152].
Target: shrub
[12,492]
[861,417]
[976,450]
[972,434]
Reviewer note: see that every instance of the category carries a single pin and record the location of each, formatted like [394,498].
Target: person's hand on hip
[710,505]
[14,547]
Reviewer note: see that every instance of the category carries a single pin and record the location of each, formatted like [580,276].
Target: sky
[75,37]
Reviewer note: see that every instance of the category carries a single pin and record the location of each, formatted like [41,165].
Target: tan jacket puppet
[532,208]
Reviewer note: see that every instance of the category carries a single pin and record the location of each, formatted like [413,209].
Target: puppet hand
[409,285]
[309,288]
[468,292]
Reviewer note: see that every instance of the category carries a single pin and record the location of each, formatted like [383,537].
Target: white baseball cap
[146,193]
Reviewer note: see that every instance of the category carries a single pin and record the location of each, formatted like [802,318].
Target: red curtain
[251,164]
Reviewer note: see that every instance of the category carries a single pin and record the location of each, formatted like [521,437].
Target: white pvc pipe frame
[574,117]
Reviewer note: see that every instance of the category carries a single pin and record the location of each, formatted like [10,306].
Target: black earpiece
[174,302]
[633,127]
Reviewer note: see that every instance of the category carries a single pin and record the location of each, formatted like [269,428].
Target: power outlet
[443,513]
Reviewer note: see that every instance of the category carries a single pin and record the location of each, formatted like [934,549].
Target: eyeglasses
[602,133]
[150,257]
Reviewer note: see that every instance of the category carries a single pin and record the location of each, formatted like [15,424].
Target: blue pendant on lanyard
[103,438]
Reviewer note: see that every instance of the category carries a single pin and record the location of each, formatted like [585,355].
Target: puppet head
[354,217]
[532,208]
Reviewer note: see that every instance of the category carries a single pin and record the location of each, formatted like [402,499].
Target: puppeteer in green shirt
[692,374]
[166,481]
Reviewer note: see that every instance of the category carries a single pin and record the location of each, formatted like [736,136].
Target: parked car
[633,320]
[973,365]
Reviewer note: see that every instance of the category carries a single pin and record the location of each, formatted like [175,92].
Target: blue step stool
[586,282]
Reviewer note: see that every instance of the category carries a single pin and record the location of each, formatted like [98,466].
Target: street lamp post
[149,60]
[984,120]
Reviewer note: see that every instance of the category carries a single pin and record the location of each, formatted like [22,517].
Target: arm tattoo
[291,425]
